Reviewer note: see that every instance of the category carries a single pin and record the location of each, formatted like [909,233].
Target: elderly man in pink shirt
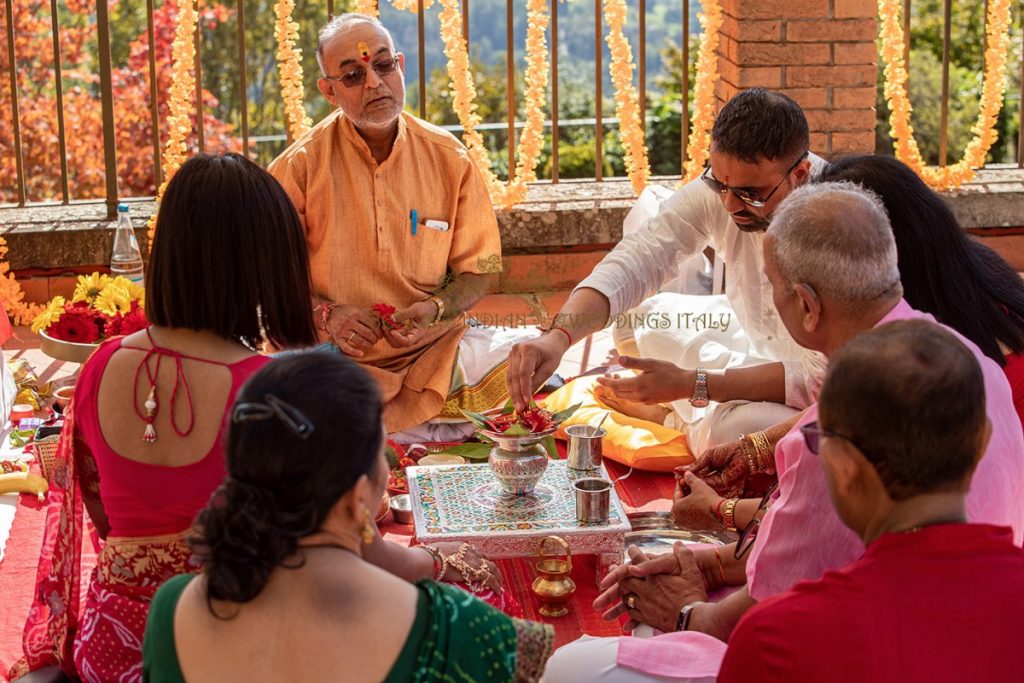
[831,260]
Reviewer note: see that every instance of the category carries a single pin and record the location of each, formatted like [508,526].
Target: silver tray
[655,533]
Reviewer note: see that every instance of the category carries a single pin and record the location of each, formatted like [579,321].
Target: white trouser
[658,328]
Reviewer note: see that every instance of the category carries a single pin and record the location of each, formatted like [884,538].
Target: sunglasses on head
[748,197]
[273,407]
[357,76]
[746,538]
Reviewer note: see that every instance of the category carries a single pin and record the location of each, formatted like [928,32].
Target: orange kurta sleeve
[476,244]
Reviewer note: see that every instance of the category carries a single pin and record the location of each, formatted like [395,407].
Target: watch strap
[683,621]
[700,389]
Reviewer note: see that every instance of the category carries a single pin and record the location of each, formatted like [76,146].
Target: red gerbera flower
[134,320]
[75,325]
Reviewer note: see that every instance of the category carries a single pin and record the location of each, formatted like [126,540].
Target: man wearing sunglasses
[900,431]
[830,258]
[759,376]
[396,213]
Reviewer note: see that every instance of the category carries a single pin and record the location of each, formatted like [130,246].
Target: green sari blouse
[455,638]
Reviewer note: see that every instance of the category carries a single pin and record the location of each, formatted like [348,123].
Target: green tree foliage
[965,82]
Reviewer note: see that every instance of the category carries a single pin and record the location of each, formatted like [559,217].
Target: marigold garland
[411,5]
[997,26]
[463,91]
[367,7]
[631,132]
[181,99]
[12,295]
[289,65]
[704,104]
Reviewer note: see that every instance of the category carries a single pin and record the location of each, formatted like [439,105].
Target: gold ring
[351,336]
[631,601]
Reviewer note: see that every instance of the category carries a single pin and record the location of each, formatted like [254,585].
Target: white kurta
[687,222]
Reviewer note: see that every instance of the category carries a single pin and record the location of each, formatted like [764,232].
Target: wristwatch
[700,390]
[683,622]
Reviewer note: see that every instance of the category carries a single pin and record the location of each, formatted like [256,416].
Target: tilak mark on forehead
[364,51]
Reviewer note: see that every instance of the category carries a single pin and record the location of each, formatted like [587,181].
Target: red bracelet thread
[718,510]
[563,331]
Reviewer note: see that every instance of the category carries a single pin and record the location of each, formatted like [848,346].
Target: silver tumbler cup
[593,498]
[584,446]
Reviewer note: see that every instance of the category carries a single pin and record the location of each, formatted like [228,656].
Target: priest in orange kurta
[395,212]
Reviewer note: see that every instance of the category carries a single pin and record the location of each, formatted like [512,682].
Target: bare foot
[652,412]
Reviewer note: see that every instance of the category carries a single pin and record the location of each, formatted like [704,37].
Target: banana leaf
[392,456]
[563,415]
[470,451]
[476,418]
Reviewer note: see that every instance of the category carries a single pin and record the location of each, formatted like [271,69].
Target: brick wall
[819,52]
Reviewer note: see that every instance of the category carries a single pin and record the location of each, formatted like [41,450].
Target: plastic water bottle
[125,258]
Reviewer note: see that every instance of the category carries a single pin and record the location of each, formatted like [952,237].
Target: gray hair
[836,238]
[337,25]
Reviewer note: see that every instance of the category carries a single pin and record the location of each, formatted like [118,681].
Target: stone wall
[819,52]
[550,242]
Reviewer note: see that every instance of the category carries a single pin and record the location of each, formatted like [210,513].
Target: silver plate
[656,533]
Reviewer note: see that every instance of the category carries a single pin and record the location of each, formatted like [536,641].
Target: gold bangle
[749,453]
[728,514]
[763,451]
[440,308]
[721,567]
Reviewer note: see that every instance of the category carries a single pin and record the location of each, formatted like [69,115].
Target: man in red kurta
[901,428]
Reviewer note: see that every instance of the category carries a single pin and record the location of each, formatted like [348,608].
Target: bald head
[836,238]
[341,25]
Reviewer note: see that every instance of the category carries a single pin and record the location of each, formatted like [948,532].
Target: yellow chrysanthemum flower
[114,299]
[89,287]
[137,293]
[50,314]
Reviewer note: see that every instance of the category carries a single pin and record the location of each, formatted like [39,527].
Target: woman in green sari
[285,593]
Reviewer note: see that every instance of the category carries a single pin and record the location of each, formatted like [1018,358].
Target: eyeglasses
[749,533]
[813,433]
[299,424]
[357,76]
[746,196]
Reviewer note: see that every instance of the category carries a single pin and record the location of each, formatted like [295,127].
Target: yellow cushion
[631,441]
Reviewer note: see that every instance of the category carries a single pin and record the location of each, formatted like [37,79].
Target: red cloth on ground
[645,491]
[18,576]
[1014,370]
[141,499]
[942,604]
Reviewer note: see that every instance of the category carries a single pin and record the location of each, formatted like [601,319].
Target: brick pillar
[819,52]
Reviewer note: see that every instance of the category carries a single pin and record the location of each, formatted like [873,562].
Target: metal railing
[947,42]
[554,125]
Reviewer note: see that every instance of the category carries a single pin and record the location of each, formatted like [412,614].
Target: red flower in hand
[385,313]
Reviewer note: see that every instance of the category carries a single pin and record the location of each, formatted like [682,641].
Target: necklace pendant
[149,436]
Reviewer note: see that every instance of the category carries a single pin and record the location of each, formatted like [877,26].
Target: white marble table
[466,503]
